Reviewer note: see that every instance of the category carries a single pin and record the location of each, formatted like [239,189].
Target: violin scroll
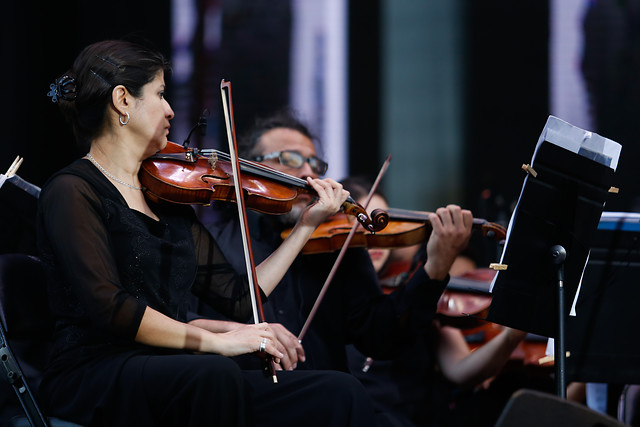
[380,219]
[374,223]
[492,230]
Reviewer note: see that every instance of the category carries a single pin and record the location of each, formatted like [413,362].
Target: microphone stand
[201,123]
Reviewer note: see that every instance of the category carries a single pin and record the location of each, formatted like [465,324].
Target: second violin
[405,228]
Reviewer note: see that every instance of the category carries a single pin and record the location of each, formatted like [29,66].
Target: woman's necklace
[104,171]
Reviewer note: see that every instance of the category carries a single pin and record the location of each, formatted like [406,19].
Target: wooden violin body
[405,228]
[191,176]
[465,302]
[184,176]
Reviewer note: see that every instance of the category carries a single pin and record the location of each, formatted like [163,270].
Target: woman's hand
[331,196]
[285,342]
[246,339]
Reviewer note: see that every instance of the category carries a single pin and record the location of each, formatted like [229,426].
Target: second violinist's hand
[450,235]
[331,196]
[289,345]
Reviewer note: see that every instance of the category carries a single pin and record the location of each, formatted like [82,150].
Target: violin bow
[343,250]
[254,289]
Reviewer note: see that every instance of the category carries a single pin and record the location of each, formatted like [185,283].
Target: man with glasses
[295,160]
[354,310]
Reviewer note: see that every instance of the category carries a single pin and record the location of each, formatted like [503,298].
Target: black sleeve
[381,324]
[217,282]
[76,240]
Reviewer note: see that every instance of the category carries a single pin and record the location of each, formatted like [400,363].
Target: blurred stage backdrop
[456,91]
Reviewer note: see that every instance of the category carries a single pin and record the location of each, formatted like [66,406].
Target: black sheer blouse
[106,263]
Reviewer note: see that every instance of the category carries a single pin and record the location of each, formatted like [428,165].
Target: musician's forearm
[273,269]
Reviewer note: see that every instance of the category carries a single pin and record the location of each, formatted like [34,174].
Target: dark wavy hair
[96,71]
[359,187]
[285,118]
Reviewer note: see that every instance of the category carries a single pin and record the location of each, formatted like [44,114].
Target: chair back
[529,408]
[24,312]
[629,405]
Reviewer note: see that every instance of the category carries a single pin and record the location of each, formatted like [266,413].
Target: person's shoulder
[73,177]
[75,184]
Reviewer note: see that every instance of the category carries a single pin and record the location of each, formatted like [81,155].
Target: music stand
[599,347]
[558,208]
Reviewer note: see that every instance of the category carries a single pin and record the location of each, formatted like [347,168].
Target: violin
[404,228]
[199,176]
[465,301]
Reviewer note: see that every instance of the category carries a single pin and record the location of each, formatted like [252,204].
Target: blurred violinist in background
[354,309]
[438,380]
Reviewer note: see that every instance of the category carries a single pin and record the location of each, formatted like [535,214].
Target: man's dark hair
[285,118]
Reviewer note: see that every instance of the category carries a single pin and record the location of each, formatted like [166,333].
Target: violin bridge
[213,160]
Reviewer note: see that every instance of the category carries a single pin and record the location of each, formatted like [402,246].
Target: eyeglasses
[293,159]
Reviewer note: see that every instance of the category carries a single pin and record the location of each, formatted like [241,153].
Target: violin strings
[257,167]
[252,167]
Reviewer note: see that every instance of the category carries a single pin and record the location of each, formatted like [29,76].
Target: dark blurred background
[458,92]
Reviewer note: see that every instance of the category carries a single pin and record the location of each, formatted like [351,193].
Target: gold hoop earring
[120,118]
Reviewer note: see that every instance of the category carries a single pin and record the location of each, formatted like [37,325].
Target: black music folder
[561,205]
[601,339]
[18,207]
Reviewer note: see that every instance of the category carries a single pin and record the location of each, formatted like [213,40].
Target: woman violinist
[410,385]
[126,275]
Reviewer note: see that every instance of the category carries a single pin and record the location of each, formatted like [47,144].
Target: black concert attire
[106,263]
[354,309]
[412,390]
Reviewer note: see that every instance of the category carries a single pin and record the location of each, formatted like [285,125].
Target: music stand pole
[558,256]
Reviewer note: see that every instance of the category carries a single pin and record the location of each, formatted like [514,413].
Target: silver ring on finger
[263,345]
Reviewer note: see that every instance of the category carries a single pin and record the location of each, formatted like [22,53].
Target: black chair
[529,408]
[629,405]
[26,326]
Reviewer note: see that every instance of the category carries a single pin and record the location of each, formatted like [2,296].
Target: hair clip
[100,77]
[64,87]
[108,61]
